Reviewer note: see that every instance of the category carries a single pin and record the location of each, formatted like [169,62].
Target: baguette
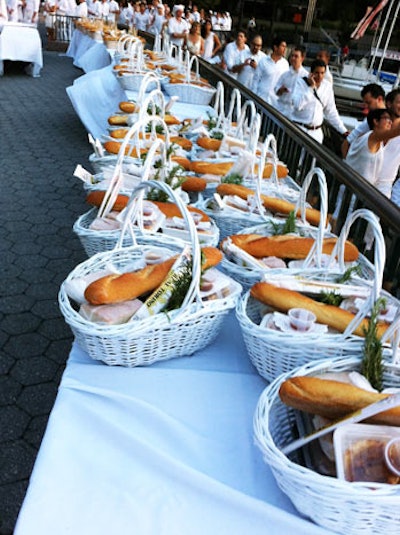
[184,143]
[171,210]
[193,184]
[95,198]
[128,107]
[209,143]
[333,399]
[272,204]
[113,147]
[118,288]
[212,168]
[119,120]
[288,246]
[171,119]
[283,300]
[182,161]
[119,133]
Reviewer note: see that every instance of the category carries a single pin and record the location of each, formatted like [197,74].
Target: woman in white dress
[212,44]
[194,40]
[367,151]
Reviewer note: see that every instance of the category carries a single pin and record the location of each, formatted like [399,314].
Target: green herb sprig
[288,227]
[372,366]
[233,178]
[348,274]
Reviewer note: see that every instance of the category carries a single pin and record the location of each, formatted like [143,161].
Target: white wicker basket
[164,336]
[232,221]
[273,352]
[189,92]
[345,508]
[251,273]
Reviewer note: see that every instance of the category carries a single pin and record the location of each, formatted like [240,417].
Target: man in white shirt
[326,57]
[313,101]
[178,28]
[81,10]
[158,20]
[246,74]
[373,97]
[113,11]
[287,81]
[104,9]
[236,54]
[94,8]
[142,18]
[268,71]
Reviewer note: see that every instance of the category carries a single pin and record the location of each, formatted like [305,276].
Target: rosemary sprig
[289,226]
[181,289]
[347,275]
[233,178]
[331,298]
[216,134]
[371,366]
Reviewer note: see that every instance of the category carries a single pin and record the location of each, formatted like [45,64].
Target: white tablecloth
[166,449]
[95,96]
[19,42]
[87,54]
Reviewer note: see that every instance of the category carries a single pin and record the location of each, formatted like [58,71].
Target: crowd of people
[305,97]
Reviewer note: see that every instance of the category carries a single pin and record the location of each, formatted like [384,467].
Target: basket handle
[219,103]
[117,177]
[316,250]
[379,259]
[245,122]
[234,109]
[194,288]
[148,78]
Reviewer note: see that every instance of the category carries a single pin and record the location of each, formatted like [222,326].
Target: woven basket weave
[345,508]
[179,333]
[273,352]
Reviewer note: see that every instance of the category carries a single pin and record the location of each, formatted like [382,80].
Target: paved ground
[42,140]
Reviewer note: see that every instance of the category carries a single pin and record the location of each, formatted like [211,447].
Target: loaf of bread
[121,120]
[113,147]
[273,204]
[182,161]
[171,119]
[193,184]
[208,143]
[119,133]
[212,168]
[128,107]
[170,210]
[281,170]
[332,399]
[95,198]
[288,246]
[186,144]
[283,300]
[118,288]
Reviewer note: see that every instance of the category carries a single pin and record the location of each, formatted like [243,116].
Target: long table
[21,42]
[87,53]
[166,449]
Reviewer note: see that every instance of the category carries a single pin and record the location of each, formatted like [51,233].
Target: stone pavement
[41,142]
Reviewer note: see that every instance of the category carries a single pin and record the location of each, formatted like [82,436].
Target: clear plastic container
[360,453]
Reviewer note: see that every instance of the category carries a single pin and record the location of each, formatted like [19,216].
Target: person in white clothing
[113,11]
[268,71]
[31,11]
[366,153]
[212,44]
[104,9]
[373,97]
[285,85]
[326,57]
[391,151]
[236,53]
[313,101]
[246,75]
[81,10]
[12,10]
[158,20]
[178,27]
[126,14]
[94,8]
[142,18]
[3,12]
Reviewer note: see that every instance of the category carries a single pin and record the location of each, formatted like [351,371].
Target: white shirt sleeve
[360,129]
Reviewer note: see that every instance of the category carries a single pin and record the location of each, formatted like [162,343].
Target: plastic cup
[301,319]
[392,455]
